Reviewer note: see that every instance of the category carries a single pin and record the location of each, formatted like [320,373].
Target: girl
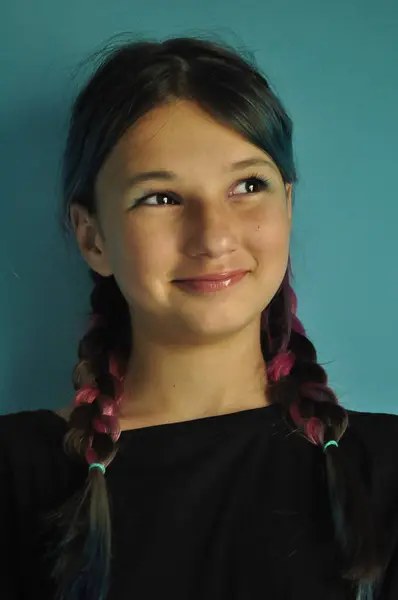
[204,456]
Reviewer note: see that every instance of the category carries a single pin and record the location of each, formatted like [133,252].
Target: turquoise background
[335,66]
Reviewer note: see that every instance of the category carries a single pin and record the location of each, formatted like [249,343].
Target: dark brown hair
[132,79]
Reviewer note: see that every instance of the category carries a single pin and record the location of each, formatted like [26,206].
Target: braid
[298,382]
[83,556]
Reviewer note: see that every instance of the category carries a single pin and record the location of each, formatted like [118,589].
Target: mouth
[215,282]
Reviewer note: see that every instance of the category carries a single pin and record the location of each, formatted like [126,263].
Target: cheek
[269,246]
[270,233]
[143,256]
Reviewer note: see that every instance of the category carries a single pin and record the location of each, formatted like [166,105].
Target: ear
[90,240]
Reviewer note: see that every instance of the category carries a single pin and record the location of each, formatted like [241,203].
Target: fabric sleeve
[375,437]
[36,478]
[389,589]
[9,570]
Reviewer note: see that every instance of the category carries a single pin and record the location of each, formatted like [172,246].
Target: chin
[216,325]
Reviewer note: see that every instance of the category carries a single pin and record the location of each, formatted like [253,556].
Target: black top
[231,507]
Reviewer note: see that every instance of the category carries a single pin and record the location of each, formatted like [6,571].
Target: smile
[213,283]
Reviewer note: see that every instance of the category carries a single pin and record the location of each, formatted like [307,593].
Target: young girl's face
[204,216]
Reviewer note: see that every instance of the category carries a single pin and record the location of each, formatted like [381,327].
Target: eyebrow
[169,175]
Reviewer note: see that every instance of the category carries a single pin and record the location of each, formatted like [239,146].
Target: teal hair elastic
[98,466]
[331,443]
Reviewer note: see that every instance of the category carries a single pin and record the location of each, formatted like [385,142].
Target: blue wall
[335,65]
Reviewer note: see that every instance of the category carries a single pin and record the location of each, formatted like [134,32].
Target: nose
[212,230]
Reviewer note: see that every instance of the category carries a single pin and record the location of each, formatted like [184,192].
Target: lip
[215,282]
[213,276]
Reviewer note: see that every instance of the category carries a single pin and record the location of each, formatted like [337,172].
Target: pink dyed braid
[108,422]
[281,365]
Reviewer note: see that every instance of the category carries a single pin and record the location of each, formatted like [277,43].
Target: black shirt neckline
[221,422]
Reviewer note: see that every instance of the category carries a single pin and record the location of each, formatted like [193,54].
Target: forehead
[181,134]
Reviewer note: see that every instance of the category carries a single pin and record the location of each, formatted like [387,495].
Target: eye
[255,181]
[156,199]
[258,182]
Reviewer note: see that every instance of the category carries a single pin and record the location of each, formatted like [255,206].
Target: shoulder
[32,450]
[372,440]
[373,420]
[37,476]
[36,472]
[31,444]
[376,431]
[31,429]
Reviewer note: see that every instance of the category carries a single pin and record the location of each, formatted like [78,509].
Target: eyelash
[264,184]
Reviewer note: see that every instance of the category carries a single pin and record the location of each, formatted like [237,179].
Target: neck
[176,383]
